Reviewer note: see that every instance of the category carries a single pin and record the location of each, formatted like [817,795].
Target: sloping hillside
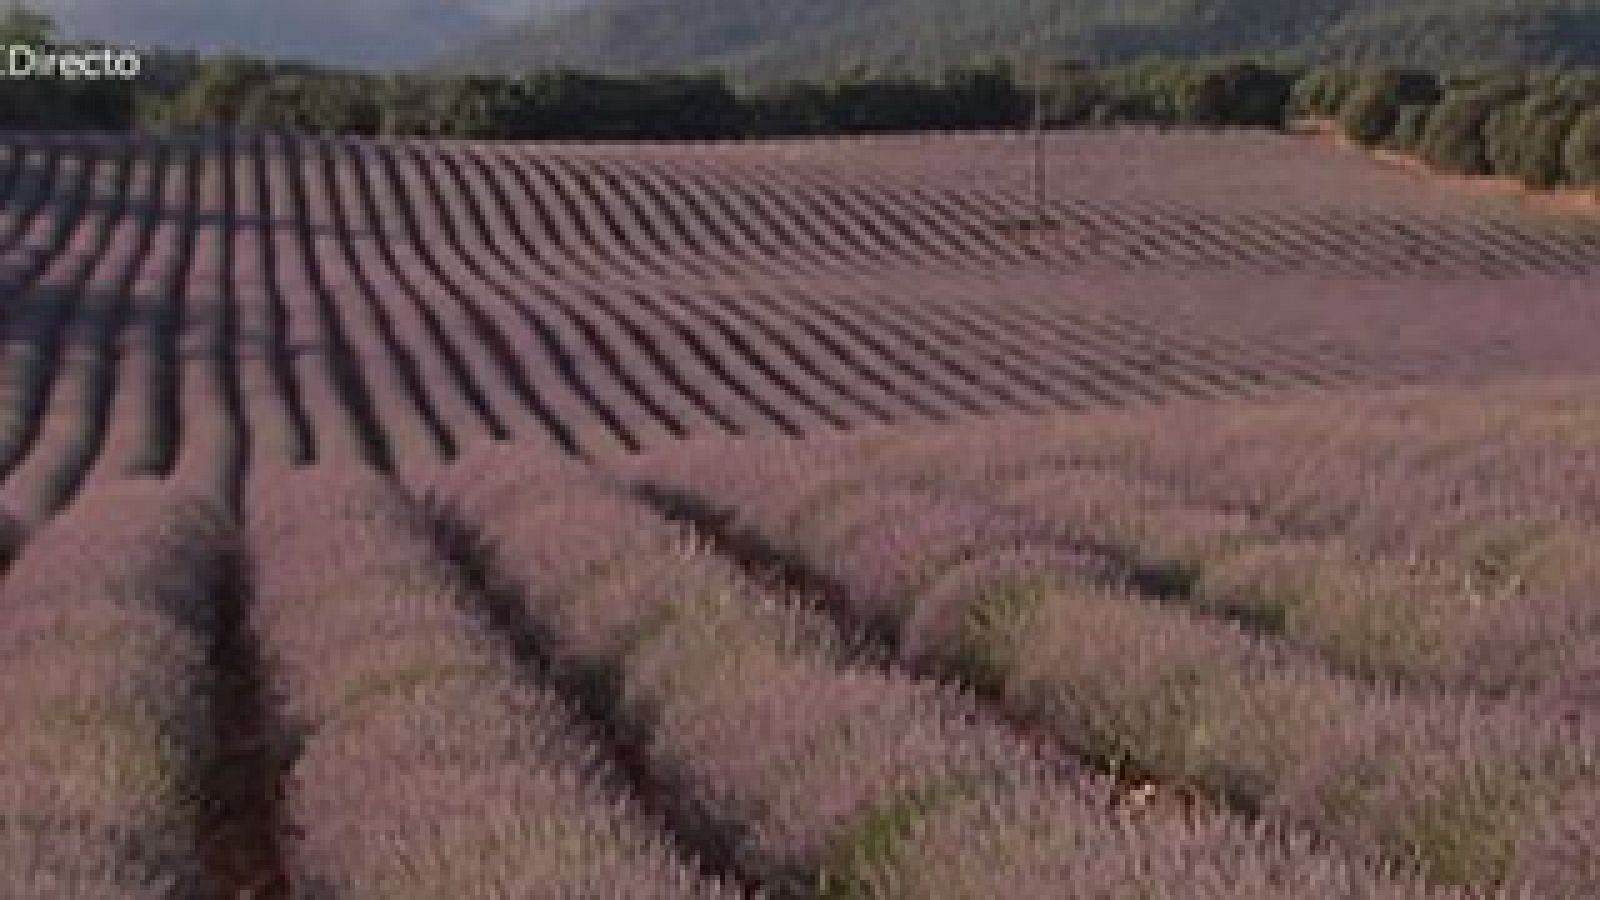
[780,38]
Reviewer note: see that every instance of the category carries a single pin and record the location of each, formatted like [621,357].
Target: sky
[360,33]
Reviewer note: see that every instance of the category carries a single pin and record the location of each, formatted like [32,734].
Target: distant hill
[356,33]
[783,38]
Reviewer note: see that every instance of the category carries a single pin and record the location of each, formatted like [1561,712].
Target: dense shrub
[1488,122]
[1241,94]
[218,88]
[577,104]
[1207,94]
[1147,91]
[965,98]
[1409,125]
[1457,138]
[1077,98]
[1542,162]
[797,107]
[573,104]
[1371,111]
[1322,91]
[564,103]
[1524,140]
[305,104]
[1581,154]
[435,109]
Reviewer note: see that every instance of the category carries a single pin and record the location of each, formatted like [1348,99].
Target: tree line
[570,104]
[1538,126]
[183,92]
[186,93]
[1541,127]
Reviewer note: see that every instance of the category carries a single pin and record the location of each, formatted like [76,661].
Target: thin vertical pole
[1038,150]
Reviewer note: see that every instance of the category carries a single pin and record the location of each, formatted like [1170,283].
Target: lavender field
[428,519]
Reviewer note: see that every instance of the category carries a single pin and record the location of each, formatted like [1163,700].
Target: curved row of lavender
[107,622]
[215,310]
[1442,540]
[528,684]
[1373,618]
[792,755]
[426,762]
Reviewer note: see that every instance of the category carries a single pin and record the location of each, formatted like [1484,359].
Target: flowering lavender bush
[106,620]
[426,764]
[1019,845]
[1114,672]
[805,769]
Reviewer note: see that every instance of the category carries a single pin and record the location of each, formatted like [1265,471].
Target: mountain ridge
[775,39]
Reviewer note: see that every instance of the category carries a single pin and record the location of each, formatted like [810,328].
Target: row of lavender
[412,756]
[529,684]
[203,309]
[104,247]
[1438,539]
[923,204]
[730,362]
[427,760]
[792,754]
[1373,619]
[107,621]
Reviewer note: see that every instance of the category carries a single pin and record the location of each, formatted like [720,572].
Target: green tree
[217,92]
[316,104]
[1371,111]
[1410,123]
[1235,94]
[982,97]
[794,108]
[1456,139]
[1072,98]
[1581,153]
[1322,91]
[1526,140]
